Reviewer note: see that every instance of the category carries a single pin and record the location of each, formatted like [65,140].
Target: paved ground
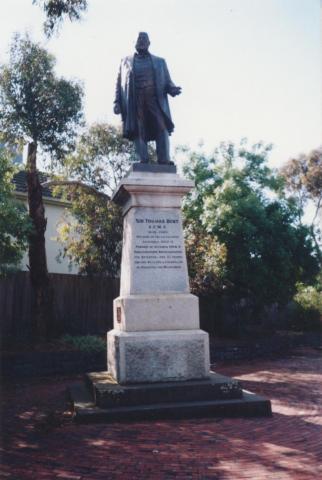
[41,442]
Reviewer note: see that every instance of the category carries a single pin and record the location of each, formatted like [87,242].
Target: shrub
[306,309]
[85,343]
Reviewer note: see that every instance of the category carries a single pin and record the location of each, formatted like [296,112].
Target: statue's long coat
[125,94]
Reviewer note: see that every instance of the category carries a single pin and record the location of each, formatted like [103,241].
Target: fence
[83,305]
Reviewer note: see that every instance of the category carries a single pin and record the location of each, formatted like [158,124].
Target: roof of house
[20,183]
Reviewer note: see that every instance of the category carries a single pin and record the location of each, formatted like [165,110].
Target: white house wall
[55,214]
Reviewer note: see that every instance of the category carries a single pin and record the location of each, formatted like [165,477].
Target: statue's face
[142,43]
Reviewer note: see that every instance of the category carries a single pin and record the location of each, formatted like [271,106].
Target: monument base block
[156,312]
[101,399]
[157,356]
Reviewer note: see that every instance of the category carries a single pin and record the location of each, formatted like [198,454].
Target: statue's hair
[144,33]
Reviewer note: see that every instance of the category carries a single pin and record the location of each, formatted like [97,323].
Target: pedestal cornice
[145,189]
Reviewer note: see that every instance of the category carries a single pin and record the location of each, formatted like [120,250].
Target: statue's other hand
[174,91]
[117,109]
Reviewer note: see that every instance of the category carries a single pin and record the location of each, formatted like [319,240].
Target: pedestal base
[101,399]
[156,312]
[157,356]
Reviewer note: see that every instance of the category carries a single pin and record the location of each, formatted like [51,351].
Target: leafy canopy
[35,105]
[101,158]
[93,240]
[15,225]
[303,180]
[303,176]
[206,258]
[238,201]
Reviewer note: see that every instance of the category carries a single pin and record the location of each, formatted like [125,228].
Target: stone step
[108,393]
[86,410]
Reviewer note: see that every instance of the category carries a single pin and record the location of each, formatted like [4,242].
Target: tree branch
[317,210]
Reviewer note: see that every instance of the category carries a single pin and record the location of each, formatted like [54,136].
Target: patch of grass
[85,343]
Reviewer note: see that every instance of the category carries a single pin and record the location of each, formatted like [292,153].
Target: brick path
[41,442]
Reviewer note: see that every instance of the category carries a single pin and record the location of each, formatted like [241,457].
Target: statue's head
[142,43]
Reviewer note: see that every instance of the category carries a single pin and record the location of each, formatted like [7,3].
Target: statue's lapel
[154,62]
[156,69]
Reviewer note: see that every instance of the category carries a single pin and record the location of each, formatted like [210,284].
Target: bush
[85,343]
[306,310]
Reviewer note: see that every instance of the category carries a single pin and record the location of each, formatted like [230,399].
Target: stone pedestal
[156,334]
[158,358]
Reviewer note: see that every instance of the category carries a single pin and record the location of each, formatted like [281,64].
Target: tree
[238,201]
[42,110]
[57,10]
[101,159]
[94,239]
[303,179]
[206,258]
[15,225]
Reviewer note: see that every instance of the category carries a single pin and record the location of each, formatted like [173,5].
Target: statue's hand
[174,91]
[117,109]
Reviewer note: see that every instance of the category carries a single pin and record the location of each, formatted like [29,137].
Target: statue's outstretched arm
[171,88]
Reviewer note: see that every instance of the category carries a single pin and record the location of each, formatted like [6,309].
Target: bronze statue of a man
[143,84]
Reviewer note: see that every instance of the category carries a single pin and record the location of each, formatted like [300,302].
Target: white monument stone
[156,335]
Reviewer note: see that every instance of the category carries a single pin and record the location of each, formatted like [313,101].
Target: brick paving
[40,441]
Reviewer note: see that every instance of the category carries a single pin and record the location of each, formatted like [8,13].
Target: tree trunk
[43,312]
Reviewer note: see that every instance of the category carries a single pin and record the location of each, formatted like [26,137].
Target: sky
[247,68]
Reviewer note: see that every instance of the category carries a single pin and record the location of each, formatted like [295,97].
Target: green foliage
[101,158]
[85,343]
[57,10]
[94,240]
[238,201]
[206,259]
[309,297]
[303,175]
[305,312]
[15,225]
[35,104]
[303,180]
